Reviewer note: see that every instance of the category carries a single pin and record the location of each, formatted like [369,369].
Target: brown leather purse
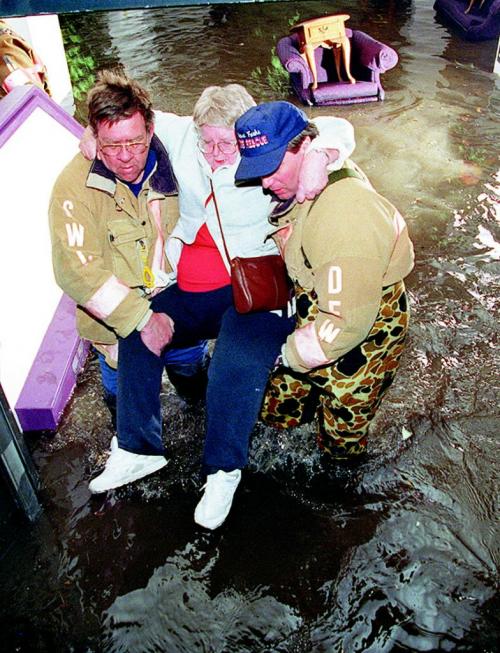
[260,283]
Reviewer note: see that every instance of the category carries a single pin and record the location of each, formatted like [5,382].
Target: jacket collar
[162,178]
[280,209]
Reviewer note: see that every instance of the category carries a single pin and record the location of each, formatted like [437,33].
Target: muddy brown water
[399,555]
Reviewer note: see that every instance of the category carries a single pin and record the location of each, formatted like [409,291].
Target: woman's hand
[88,144]
[314,174]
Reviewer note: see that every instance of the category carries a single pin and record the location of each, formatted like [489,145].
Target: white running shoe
[216,501]
[123,467]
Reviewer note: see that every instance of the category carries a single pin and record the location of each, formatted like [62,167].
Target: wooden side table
[327,31]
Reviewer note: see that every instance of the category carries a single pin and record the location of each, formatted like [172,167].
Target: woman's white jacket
[243,210]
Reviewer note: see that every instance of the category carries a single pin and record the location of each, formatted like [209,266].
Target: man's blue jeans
[246,349]
[185,361]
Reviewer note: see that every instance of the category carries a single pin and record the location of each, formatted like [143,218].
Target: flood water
[401,554]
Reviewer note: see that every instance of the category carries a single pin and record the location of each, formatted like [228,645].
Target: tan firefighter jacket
[108,246]
[343,247]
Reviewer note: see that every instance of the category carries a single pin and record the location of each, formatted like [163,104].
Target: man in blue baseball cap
[347,252]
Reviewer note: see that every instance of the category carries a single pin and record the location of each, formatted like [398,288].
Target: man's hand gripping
[157,333]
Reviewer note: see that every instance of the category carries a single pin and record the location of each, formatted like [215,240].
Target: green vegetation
[81,66]
[274,75]
[469,151]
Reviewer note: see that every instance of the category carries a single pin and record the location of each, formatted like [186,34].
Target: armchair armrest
[373,54]
[288,54]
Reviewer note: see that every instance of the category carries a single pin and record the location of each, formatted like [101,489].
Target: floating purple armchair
[369,59]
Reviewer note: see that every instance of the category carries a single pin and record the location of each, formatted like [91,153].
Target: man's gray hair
[222,105]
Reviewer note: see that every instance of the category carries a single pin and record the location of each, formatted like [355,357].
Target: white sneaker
[123,467]
[216,501]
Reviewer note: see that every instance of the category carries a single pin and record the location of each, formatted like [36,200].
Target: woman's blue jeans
[245,351]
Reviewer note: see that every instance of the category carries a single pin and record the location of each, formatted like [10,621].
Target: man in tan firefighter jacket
[109,219]
[347,253]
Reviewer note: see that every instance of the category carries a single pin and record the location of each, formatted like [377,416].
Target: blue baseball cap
[263,134]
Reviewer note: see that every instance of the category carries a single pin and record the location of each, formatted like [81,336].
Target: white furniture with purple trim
[40,351]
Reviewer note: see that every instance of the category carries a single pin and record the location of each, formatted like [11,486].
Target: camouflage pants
[343,396]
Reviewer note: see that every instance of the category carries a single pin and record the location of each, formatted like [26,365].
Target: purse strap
[337,175]
[214,199]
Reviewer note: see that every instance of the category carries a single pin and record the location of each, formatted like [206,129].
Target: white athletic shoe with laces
[216,501]
[123,467]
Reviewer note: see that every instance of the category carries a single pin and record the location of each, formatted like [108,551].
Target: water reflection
[179,611]
[399,555]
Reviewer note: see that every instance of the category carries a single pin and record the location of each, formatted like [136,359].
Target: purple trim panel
[52,377]
[20,103]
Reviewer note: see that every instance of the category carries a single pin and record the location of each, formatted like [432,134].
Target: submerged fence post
[16,466]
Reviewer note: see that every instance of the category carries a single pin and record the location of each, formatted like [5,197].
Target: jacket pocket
[124,241]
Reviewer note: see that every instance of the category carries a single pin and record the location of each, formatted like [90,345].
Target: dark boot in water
[190,383]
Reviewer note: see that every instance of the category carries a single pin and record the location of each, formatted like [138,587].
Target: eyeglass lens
[225,147]
[135,148]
